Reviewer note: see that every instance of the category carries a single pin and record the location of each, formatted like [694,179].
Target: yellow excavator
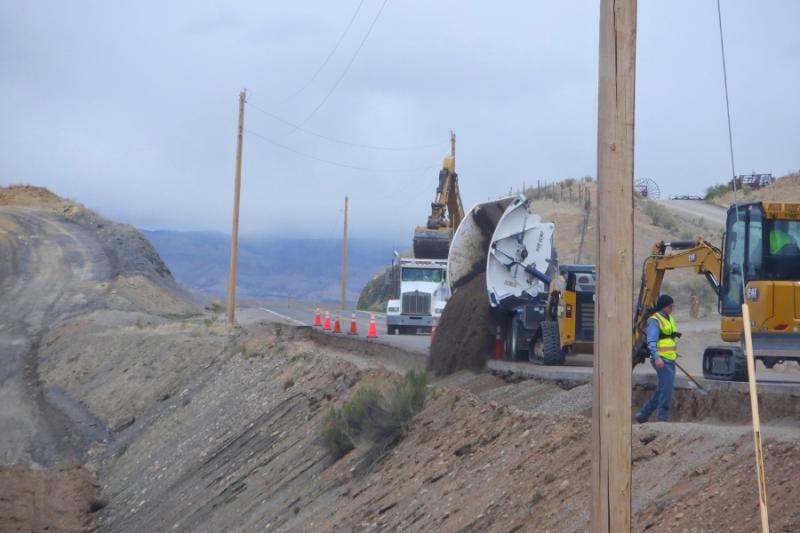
[432,241]
[759,264]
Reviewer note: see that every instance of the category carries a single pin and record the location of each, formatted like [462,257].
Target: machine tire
[546,347]
[724,363]
[512,343]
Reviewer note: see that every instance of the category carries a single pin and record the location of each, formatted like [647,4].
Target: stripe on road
[284,317]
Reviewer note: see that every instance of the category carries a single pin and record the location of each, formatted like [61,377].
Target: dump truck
[423,292]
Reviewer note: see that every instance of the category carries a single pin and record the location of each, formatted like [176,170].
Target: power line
[340,141]
[330,55]
[335,163]
[347,67]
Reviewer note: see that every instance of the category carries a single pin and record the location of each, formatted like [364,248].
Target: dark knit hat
[664,300]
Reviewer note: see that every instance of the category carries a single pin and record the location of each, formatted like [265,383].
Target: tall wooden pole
[344,258]
[237,186]
[751,378]
[611,406]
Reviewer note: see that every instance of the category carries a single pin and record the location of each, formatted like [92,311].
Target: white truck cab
[423,293]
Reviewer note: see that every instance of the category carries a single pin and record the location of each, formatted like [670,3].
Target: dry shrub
[375,415]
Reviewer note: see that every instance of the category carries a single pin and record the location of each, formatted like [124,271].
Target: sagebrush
[376,414]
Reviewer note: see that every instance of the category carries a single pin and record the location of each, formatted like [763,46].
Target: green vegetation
[535,498]
[717,190]
[662,217]
[376,413]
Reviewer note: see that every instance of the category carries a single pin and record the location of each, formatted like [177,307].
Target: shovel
[700,388]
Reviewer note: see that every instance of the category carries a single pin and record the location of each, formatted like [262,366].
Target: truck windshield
[422,274]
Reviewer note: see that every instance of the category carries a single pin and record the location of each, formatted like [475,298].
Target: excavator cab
[761,266]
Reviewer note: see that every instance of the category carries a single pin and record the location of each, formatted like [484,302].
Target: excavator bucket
[431,243]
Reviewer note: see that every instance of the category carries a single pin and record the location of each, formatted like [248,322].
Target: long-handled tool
[700,388]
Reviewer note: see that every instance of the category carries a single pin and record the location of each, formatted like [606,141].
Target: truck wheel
[553,355]
[513,344]
[724,363]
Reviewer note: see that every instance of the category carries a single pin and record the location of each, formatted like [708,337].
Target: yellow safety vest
[777,240]
[666,346]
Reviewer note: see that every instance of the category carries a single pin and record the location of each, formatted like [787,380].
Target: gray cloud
[131,108]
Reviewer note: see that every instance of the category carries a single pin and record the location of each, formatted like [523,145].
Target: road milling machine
[759,264]
[514,248]
[432,241]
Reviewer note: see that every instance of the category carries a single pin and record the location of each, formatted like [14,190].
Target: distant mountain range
[308,269]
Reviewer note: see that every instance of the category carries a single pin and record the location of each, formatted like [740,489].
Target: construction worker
[780,242]
[662,332]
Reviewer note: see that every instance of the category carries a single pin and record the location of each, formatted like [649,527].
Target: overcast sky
[131,107]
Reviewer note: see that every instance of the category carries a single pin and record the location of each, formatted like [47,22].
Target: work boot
[640,418]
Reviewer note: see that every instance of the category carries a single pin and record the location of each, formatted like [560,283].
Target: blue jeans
[662,397]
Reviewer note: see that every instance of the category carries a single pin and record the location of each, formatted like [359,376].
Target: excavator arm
[432,241]
[700,255]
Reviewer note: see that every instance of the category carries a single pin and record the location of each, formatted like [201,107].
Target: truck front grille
[416,303]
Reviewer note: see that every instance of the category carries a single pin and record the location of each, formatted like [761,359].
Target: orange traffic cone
[318,319]
[353,326]
[327,325]
[497,349]
[337,328]
[372,331]
[433,330]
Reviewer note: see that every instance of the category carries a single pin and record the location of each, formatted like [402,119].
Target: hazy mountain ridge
[305,268]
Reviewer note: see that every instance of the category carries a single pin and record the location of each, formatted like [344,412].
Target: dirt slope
[59,260]
[237,446]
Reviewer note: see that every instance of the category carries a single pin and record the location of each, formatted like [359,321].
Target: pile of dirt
[466,330]
[34,499]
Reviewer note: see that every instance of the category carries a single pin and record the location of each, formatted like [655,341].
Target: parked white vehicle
[423,293]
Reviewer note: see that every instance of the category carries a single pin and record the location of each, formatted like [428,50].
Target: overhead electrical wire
[341,141]
[335,163]
[330,54]
[727,101]
[347,67]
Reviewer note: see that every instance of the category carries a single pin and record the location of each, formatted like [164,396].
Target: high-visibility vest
[666,346]
[777,240]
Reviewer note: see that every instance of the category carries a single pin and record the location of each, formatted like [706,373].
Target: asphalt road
[300,314]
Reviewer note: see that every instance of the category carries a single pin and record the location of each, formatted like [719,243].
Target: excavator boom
[700,255]
[432,241]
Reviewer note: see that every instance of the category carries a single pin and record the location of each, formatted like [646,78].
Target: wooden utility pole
[344,258]
[751,378]
[237,186]
[611,381]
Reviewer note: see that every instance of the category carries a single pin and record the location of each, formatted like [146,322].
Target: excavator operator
[662,332]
